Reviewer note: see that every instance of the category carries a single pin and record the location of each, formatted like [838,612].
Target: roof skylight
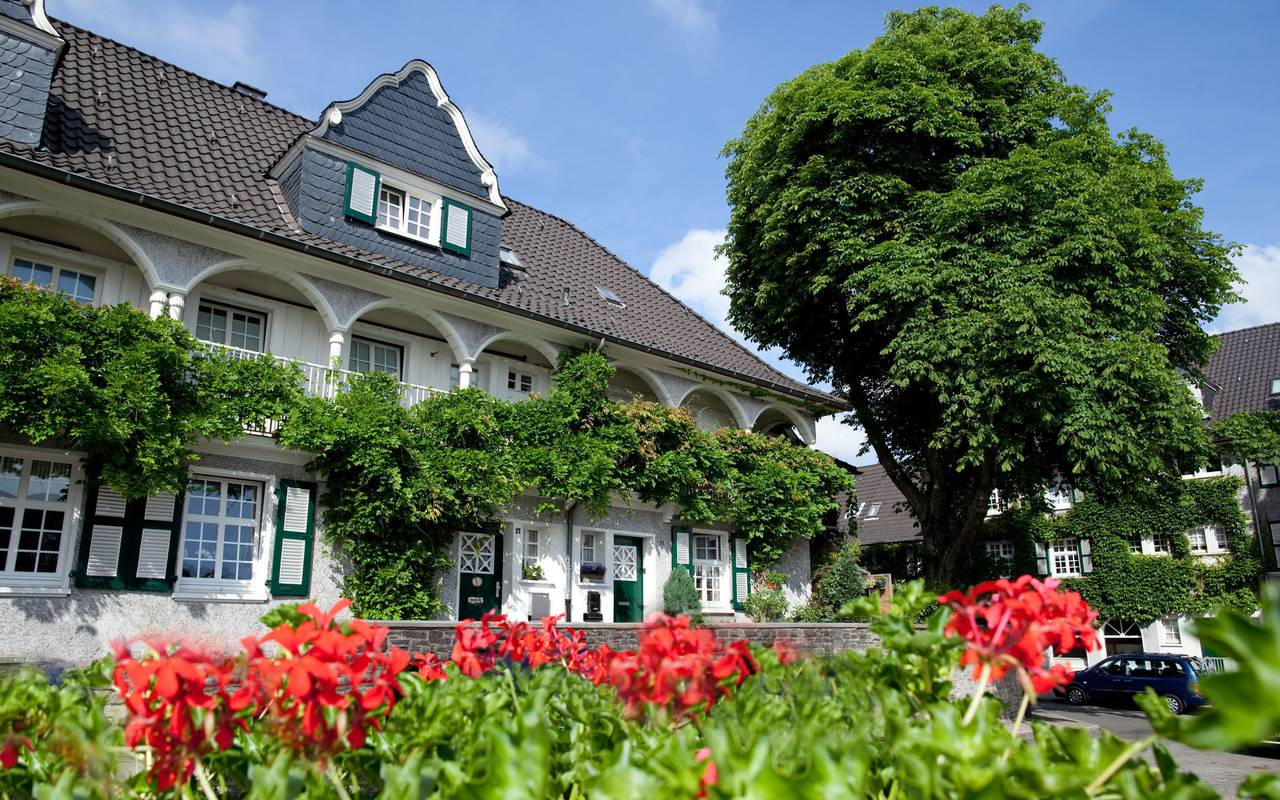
[610,296]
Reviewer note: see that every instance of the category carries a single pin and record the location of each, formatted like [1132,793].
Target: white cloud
[1259,265]
[216,40]
[843,441]
[691,271]
[504,148]
[691,18]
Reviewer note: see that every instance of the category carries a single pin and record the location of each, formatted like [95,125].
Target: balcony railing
[321,381]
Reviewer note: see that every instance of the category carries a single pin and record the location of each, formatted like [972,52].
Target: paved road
[1222,771]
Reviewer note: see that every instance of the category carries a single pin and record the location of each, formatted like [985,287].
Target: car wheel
[1076,696]
[1175,703]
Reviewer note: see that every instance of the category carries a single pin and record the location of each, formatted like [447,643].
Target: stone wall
[437,637]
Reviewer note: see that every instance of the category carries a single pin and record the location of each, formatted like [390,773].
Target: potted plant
[591,571]
[532,572]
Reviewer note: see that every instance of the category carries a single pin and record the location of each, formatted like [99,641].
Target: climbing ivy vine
[1144,588]
[134,394]
[401,480]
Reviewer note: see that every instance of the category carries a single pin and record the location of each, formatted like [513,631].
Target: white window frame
[519,377]
[717,569]
[1001,549]
[230,309]
[874,511]
[1069,550]
[1268,476]
[995,504]
[372,343]
[596,540]
[1170,632]
[58,582]
[531,536]
[56,267]
[1199,535]
[216,589]
[1162,544]
[401,228]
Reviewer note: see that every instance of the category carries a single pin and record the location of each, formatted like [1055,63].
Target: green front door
[628,579]
[479,574]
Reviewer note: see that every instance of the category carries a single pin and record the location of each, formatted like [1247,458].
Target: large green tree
[1005,290]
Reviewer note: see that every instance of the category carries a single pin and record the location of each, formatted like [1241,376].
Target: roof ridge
[1247,329]
[660,288]
[202,78]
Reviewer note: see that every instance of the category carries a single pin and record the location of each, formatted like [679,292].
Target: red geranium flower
[1010,624]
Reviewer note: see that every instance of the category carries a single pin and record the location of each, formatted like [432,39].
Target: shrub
[680,596]
[766,605]
[839,583]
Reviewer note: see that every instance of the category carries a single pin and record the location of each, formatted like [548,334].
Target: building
[1242,375]
[375,237]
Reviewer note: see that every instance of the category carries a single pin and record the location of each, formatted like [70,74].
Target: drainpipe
[568,551]
[1253,506]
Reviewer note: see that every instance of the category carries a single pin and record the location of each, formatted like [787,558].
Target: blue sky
[613,114]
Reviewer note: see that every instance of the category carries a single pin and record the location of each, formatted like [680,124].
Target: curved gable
[407,120]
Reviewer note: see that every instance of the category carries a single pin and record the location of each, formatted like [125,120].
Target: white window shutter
[361,201]
[456,224]
[682,547]
[740,553]
[293,554]
[109,504]
[104,551]
[1086,556]
[160,507]
[297,509]
[153,553]
[742,585]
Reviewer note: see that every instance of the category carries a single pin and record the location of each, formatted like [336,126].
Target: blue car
[1173,676]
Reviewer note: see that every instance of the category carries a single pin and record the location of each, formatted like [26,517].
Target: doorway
[479,574]
[628,579]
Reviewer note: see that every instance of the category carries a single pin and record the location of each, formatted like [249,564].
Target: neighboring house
[1242,375]
[374,238]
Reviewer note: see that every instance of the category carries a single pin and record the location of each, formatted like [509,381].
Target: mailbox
[593,608]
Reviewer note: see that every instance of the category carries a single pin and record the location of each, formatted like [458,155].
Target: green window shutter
[680,546]
[129,544]
[1042,559]
[741,573]
[105,520]
[295,538]
[1086,556]
[455,228]
[361,198]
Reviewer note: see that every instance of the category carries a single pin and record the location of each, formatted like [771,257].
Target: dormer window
[405,213]
[1275,387]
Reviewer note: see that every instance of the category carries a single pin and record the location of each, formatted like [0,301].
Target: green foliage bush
[835,585]
[401,481]
[766,604]
[132,393]
[680,595]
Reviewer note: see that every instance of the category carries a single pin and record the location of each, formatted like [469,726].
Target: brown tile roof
[894,522]
[123,118]
[1242,369]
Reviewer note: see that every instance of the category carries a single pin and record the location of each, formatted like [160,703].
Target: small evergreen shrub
[680,596]
[836,584]
[766,605]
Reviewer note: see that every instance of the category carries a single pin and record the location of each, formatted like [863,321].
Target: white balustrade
[322,381]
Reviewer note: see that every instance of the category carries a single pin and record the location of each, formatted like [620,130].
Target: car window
[1171,669]
[1114,668]
[1140,668]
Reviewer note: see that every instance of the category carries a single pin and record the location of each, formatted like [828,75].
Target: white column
[464,374]
[336,340]
[176,301]
[158,298]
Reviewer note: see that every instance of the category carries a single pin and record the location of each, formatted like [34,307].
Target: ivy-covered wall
[1136,587]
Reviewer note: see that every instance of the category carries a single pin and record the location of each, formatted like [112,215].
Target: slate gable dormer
[403,147]
[29,50]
